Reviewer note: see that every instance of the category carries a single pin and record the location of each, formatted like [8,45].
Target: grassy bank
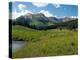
[45,42]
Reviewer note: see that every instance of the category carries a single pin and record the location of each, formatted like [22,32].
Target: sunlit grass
[52,42]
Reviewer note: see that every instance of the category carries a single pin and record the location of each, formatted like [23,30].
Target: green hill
[52,42]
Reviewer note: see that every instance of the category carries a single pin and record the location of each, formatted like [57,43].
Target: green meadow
[39,43]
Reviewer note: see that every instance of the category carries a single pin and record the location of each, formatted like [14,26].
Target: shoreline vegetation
[52,42]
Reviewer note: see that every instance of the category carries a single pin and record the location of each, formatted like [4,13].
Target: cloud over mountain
[22,7]
[46,13]
[18,14]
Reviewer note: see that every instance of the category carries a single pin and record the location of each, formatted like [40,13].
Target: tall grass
[52,42]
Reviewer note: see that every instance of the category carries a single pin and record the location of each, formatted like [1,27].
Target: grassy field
[52,42]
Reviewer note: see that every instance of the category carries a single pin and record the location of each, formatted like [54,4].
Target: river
[16,45]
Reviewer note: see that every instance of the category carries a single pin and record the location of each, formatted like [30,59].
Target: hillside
[34,21]
[41,22]
[44,43]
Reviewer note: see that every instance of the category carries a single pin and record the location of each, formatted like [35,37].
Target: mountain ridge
[40,21]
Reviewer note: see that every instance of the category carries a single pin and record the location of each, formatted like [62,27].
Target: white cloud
[21,6]
[45,4]
[55,16]
[18,14]
[46,13]
[40,4]
[74,17]
[56,5]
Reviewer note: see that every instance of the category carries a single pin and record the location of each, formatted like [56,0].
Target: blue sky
[48,9]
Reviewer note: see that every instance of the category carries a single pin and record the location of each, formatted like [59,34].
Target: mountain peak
[28,15]
[40,14]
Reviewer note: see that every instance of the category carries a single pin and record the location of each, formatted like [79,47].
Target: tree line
[73,24]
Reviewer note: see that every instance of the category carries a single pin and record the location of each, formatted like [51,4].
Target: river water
[16,45]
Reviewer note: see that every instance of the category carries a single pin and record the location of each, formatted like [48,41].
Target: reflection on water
[16,45]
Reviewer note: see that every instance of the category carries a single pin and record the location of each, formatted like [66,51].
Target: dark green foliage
[73,24]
